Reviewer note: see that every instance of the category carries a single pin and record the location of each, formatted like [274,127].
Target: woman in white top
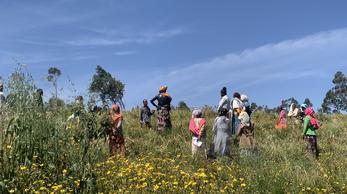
[224,101]
[237,107]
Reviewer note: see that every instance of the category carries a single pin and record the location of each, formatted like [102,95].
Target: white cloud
[122,53]
[112,37]
[308,57]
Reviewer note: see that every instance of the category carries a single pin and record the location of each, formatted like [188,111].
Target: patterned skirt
[164,120]
[311,145]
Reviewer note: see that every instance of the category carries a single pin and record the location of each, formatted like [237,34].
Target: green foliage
[182,105]
[336,98]
[53,75]
[106,87]
[308,102]
[286,103]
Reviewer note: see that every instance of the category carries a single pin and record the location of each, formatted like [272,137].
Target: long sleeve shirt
[163,101]
[308,129]
[224,103]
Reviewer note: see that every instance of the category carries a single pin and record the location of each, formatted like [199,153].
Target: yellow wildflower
[23,168]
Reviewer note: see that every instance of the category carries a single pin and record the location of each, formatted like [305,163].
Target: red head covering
[309,111]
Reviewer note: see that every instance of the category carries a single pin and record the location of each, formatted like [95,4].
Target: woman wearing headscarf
[281,121]
[224,102]
[222,133]
[245,134]
[197,129]
[309,132]
[237,107]
[116,138]
[245,104]
[163,106]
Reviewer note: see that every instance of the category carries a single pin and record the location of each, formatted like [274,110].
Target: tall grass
[42,152]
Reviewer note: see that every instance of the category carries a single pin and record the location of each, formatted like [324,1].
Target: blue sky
[269,50]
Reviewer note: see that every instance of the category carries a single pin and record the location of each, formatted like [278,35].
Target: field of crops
[41,153]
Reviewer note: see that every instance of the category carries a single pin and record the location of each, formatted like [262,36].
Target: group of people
[304,115]
[233,122]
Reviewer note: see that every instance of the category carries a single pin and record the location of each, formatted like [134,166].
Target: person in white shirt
[236,107]
[224,102]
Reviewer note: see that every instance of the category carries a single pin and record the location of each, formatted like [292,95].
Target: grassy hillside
[40,155]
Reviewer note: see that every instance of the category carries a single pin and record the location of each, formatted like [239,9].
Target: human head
[237,95]
[309,111]
[223,112]
[197,113]
[303,106]
[223,92]
[115,108]
[145,102]
[39,92]
[244,98]
[162,89]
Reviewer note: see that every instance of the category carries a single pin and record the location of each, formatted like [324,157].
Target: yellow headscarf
[162,91]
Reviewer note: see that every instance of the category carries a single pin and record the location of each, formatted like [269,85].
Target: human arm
[306,122]
[152,101]
[202,131]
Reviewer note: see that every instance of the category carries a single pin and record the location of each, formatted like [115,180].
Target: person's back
[222,133]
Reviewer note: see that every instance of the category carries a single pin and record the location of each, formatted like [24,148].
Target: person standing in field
[236,107]
[246,105]
[116,138]
[145,115]
[222,134]
[302,112]
[224,102]
[197,129]
[164,106]
[311,124]
[2,96]
[281,121]
[245,134]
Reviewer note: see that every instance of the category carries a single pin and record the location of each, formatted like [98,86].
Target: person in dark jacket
[163,106]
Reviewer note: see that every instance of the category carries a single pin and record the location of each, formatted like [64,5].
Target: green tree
[336,98]
[308,102]
[254,106]
[286,103]
[53,75]
[183,106]
[106,87]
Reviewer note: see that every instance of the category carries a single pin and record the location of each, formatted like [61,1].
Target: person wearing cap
[163,106]
[224,102]
[197,129]
[302,112]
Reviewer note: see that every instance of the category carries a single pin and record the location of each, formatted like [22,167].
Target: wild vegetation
[42,153]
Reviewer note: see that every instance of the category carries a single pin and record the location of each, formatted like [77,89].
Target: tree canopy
[336,98]
[106,87]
